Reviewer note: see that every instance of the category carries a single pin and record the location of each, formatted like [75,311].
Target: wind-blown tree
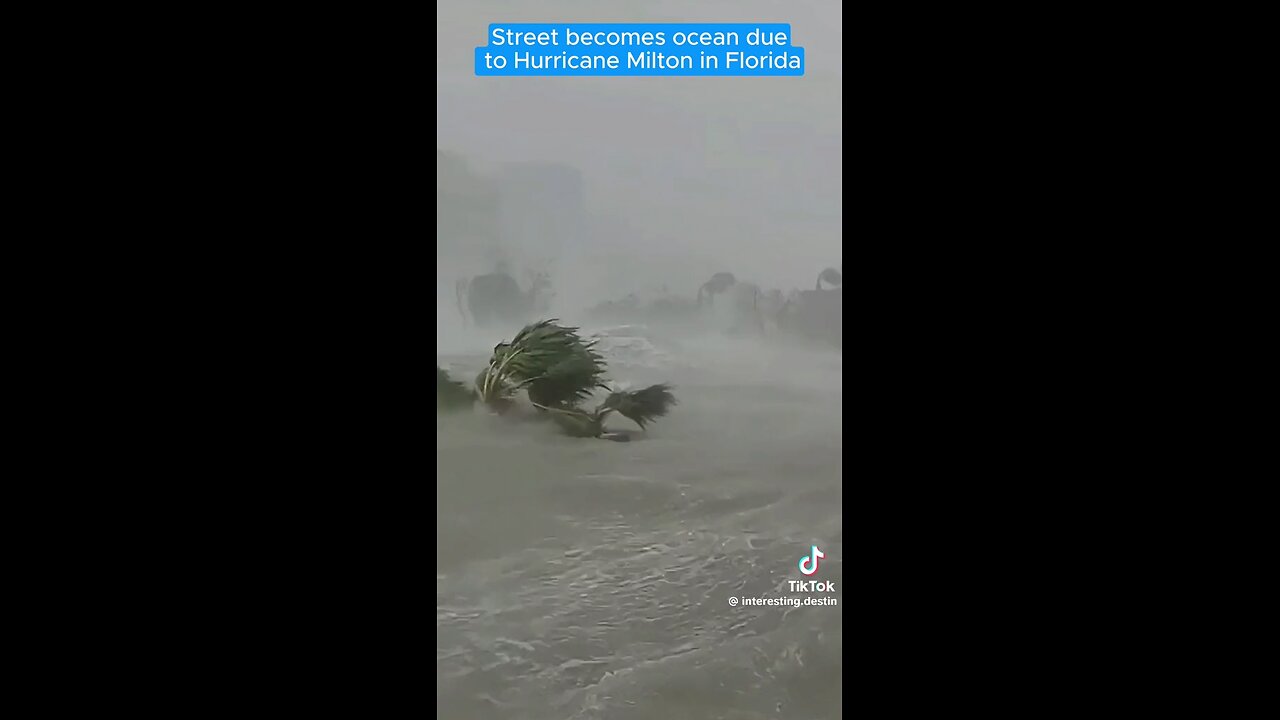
[718,283]
[550,361]
[559,371]
[830,276]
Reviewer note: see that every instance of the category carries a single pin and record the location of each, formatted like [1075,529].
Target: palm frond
[495,392]
[570,381]
[559,370]
[641,406]
[490,385]
[451,394]
[575,422]
[556,365]
[536,348]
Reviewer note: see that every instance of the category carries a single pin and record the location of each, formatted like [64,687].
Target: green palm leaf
[559,371]
[570,381]
[551,360]
[642,406]
[577,423]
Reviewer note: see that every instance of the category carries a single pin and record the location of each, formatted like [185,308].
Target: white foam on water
[630,345]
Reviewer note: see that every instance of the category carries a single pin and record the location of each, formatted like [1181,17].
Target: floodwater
[580,578]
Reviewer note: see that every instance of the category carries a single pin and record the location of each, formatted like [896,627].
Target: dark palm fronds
[577,423]
[551,357]
[642,406]
[490,385]
[535,349]
[451,394]
[718,283]
[570,381]
[560,372]
[830,276]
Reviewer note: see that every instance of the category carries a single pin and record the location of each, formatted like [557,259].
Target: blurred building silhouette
[466,210]
[541,213]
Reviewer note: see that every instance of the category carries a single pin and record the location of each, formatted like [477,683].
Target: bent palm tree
[549,360]
[830,276]
[559,371]
[718,283]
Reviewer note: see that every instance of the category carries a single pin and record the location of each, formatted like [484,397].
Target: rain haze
[690,229]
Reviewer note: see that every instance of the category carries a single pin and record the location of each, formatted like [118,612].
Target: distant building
[541,210]
[466,210]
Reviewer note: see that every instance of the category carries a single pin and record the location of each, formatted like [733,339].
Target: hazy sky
[737,173]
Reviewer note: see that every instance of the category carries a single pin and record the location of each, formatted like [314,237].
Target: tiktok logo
[810,568]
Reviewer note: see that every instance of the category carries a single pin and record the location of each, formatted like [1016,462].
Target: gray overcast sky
[738,173]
